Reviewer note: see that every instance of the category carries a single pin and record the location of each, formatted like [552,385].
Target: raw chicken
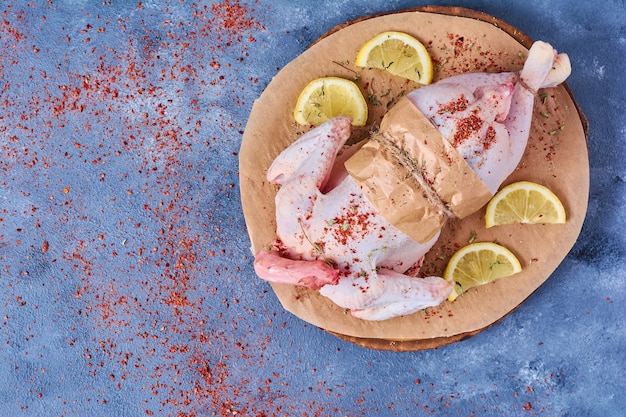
[331,238]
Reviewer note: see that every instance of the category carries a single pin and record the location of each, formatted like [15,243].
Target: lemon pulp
[524,202]
[328,97]
[478,264]
[398,53]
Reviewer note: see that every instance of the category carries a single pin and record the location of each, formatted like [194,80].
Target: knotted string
[520,81]
[416,171]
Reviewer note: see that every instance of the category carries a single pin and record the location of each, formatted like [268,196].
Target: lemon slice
[328,97]
[524,202]
[398,53]
[478,264]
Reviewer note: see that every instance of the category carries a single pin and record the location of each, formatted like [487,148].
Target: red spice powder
[489,139]
[466,127]
[353,224]
[235,19]
[229,22]
[159,231]
[464,54]
[454,106]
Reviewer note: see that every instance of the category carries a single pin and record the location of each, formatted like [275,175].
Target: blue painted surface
[126,280]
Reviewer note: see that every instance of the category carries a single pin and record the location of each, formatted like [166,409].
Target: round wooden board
[459,40]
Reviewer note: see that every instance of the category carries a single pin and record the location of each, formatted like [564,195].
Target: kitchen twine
[415,170]
[520,81]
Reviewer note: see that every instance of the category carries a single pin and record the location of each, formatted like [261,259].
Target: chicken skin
[329,235]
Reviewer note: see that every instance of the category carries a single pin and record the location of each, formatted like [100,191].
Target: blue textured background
[126,280]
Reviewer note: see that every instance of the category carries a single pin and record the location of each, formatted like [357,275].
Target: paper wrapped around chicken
[442,151]
[414,177]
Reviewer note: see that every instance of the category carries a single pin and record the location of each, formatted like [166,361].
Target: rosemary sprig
[319,249]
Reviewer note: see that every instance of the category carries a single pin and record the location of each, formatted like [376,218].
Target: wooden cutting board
[459,40]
